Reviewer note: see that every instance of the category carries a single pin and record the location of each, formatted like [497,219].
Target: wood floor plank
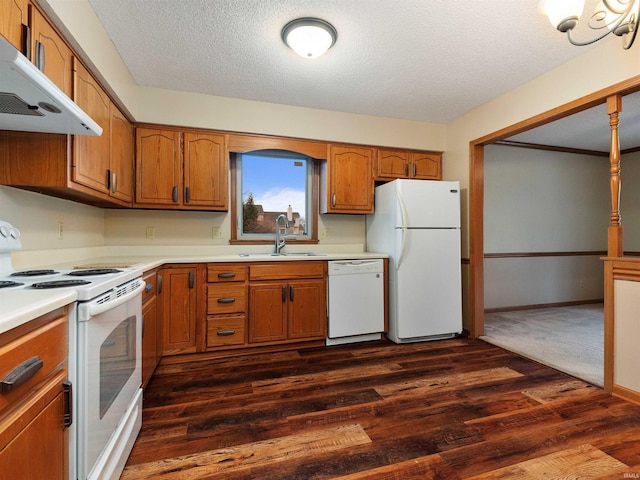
[444,410]
[447,382]
[206,464]
[583,462]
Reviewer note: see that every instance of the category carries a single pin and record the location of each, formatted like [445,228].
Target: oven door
[109,370]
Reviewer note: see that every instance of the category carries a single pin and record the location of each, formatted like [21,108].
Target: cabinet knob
[226,275]
[21,374]
[174,194]
[225,333]
[226,300]
[187,194]
[333,200]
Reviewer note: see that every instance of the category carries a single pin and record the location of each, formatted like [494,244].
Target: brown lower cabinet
[151,327]
[34,415]
[287,301]
[179,309]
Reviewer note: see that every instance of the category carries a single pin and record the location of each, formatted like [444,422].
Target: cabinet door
[205,171]
[392,164]
[426,166]
[149,340]
[307,315]
[350,172]
[13,15]
[49,52]
[122,151]
[158,167]
[91,154]
[267,312]
[40,449]
[179,310]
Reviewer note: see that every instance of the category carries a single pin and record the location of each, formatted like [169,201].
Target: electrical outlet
[151,232]
[60,231]
[324,233]
[216,232]
[581,283]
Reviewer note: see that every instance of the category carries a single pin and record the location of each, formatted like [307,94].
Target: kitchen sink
[305,254]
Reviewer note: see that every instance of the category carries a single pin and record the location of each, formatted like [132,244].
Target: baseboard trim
[626,394]
[542,305]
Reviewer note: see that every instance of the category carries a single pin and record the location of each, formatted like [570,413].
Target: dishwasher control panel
[355,267]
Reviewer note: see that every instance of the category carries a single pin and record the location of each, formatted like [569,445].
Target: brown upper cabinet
[346,180]
[93,170]
[13,23]
[392,164]
[49,52]
[181,170]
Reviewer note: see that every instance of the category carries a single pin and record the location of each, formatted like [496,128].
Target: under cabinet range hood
[30,102]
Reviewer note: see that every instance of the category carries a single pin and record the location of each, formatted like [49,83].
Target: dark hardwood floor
[454,409]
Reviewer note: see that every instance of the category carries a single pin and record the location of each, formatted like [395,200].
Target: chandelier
[619,17]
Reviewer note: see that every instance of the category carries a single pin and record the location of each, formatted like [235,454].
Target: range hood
[30,102]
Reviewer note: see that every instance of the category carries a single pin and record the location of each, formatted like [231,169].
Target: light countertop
[20,306]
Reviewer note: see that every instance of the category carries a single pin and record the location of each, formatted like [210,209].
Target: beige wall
[539,201]
[630,200]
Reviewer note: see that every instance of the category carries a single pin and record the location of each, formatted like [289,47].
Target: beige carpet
[570,339]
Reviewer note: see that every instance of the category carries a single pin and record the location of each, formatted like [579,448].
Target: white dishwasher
[355,301]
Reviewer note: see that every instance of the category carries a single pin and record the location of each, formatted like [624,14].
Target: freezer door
[428,204]
[427,291]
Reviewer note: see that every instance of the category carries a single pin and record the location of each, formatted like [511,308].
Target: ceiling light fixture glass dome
[309,37]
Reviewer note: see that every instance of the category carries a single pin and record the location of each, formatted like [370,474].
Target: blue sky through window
[275,182]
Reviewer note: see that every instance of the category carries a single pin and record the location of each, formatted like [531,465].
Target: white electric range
[105,355]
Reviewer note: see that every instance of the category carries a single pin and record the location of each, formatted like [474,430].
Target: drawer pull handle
[21,374]
[226,300]
[225,333]
[226,275]
[149,287]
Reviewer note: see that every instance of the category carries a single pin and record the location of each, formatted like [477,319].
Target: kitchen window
[270,183]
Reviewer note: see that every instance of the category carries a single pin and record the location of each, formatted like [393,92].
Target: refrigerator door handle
[403,227]
[403,232]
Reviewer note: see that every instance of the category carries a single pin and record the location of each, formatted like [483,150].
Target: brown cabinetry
[392,164]
[179,309]
[182,170]
[287,301]
[226,305]
[347,180]
[94,170]
[49,52]
[35,414]
[13,21]
[151,328]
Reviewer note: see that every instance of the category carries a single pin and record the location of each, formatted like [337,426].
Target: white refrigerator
[417,223]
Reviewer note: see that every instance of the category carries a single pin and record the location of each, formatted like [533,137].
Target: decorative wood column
[614,237]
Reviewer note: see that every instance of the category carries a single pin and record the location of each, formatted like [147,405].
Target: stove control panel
[9,237]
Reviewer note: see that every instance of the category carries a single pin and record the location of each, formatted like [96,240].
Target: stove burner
[33,273]
[94,271]
[9,283]
[60,283]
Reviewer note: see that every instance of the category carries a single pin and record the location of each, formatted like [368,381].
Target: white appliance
[30,102]
[355,301]
[417,223]
[105,356]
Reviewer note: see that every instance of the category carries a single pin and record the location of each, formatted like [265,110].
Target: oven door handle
[98,308]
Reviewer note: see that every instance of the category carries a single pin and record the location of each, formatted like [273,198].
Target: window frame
[313,199]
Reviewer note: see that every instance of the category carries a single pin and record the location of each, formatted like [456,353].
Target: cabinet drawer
[226,273]
[223,331]
[226,298]
[151,279]
[287,270]
[47,344]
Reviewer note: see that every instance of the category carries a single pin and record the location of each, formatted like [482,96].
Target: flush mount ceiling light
[309,37]
[619,17]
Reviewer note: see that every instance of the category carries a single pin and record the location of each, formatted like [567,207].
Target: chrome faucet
[280,243]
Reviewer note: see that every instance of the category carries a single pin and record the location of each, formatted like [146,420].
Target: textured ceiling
[426,60]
